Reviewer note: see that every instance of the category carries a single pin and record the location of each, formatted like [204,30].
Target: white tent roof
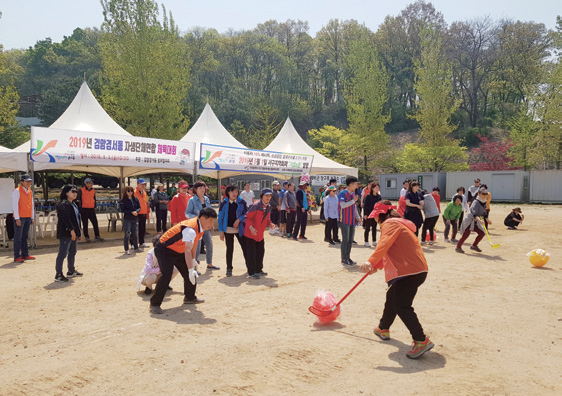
[12,160]
[288,140]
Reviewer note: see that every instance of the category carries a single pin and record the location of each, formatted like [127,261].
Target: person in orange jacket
[178,203]
[400,254]
[142,196]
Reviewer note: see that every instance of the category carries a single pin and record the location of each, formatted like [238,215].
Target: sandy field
[496,322]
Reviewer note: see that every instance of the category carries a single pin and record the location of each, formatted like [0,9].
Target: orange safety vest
[172,239]
[88,198]
[142,199]
[25,204]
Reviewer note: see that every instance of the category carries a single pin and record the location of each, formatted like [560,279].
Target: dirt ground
[496,322]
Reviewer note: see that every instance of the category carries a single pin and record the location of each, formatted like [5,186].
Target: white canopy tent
[86,114]
[288,140]
[12,160]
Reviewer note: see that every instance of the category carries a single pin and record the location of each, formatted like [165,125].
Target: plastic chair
[3,228]
[40,223]
[113,216]
[51,220]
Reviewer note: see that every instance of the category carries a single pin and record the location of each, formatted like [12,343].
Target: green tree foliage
[265,127]
[523,135]
[418,158]
[8,96]
[146,69]
[366,96]
[330,142]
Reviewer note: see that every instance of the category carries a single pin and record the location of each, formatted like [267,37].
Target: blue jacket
[194,206]
[240,214]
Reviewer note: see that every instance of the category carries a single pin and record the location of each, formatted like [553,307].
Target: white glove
[195,265]
[193,276]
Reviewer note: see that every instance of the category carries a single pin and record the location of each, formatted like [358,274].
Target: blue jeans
[131,230]
[67,247]
[208,247]
[21,233]
[347,235]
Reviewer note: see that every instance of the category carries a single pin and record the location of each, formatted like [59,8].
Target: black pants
[448,227]
[89,214]
[511,223]
[168,259]
[161,220]
[290,221]
[485,217]
[322,212]
[229,240]
[370,225]
[331,230]
[429,225]
[142,227]
[399,299]
[275,216]
[301,223]
[254,255]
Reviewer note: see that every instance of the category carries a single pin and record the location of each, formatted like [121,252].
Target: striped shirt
[346,207]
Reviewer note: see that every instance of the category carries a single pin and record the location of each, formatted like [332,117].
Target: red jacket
[399,251]
[257,216]
[177,207]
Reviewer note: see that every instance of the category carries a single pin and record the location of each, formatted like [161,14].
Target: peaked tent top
[288,140]
[208,129]
[86,114]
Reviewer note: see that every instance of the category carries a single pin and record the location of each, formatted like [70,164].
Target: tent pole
[219,186]
[121,181]
[30,172]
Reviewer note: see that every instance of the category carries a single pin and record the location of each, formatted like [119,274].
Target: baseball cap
[89,180]
[266,191]
[141,181]
[285,183]
[183,184]
[25,177]
[302,183]
[276,183]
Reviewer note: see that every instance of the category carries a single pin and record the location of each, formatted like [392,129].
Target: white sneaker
[144,245]
[128,252]
[375,244]
[367,244]
[271,232]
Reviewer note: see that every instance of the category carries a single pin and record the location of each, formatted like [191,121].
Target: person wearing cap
[514,219]
[194,207]
[400,254]
[142,196]
[257,218]
[232,213]
[248,195]
[347,218]
[473,221]
[222,194]
[178,203]
[331,215]
[473,191]
[302,211]
[290,201]
[23,209]
[86,202]
[68,233]
[177,248]
[161,199]
[274,202]
[282,210]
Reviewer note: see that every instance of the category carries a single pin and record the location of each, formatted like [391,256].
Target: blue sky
[26,21]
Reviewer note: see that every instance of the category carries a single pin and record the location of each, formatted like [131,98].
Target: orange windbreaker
[142,199]
[172,239]
[399,252]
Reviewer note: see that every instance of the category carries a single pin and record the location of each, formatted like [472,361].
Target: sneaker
[99,239]
[351,262]
[28,258]
[139,250]
[229,273]
[454,240]
[155,309]
[383,334]
[423,242]
[344,262]
[511,228]
[354,243]
[447,240]
[459,250]
[367,244]
[213,267]
[61,278]
[74,274]
[193,300]
[331,242]
[431,242]
[203,251]
[87,239]
[271,232]
[18,260]
[303,238]
[127,252]
[294,238]
[144,245]
[337,241]
[326,240]
[419,348]
[375,243]
[475,248]
[261,273]
[253,276]
[148,291]
[289,235]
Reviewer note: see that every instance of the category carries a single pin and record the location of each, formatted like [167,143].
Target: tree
[265,127]
[330,142]
[8,97]
[492,156]
[523,134]
[366,96]
[418,158]
[145,69]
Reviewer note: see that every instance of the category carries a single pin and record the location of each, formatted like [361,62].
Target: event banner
[92,148]
[248,160]
[323,180]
